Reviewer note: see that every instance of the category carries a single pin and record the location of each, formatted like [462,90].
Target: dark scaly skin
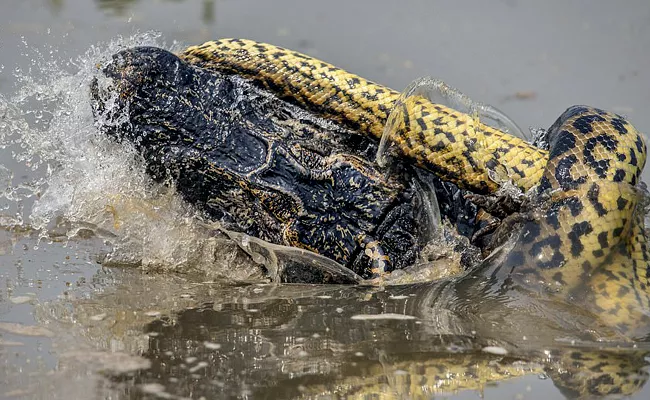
[587,239]
[262,166]
[593,230]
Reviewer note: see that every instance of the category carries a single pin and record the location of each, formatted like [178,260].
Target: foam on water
[60,177]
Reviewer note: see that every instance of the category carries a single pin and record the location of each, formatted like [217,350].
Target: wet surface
[72,328]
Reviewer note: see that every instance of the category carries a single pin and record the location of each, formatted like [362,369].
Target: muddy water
[72,327]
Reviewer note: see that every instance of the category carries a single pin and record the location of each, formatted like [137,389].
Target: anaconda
[582,240]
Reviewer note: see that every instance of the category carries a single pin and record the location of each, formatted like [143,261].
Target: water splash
[61,178]
[439,92]
[65,180]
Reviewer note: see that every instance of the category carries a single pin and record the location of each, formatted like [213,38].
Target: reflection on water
[270,341]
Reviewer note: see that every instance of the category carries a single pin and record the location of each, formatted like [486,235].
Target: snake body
[590,241]
[452,144]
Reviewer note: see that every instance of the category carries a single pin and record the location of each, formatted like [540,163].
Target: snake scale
[590,242]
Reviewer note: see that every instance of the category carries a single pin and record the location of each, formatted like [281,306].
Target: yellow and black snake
[589,244]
